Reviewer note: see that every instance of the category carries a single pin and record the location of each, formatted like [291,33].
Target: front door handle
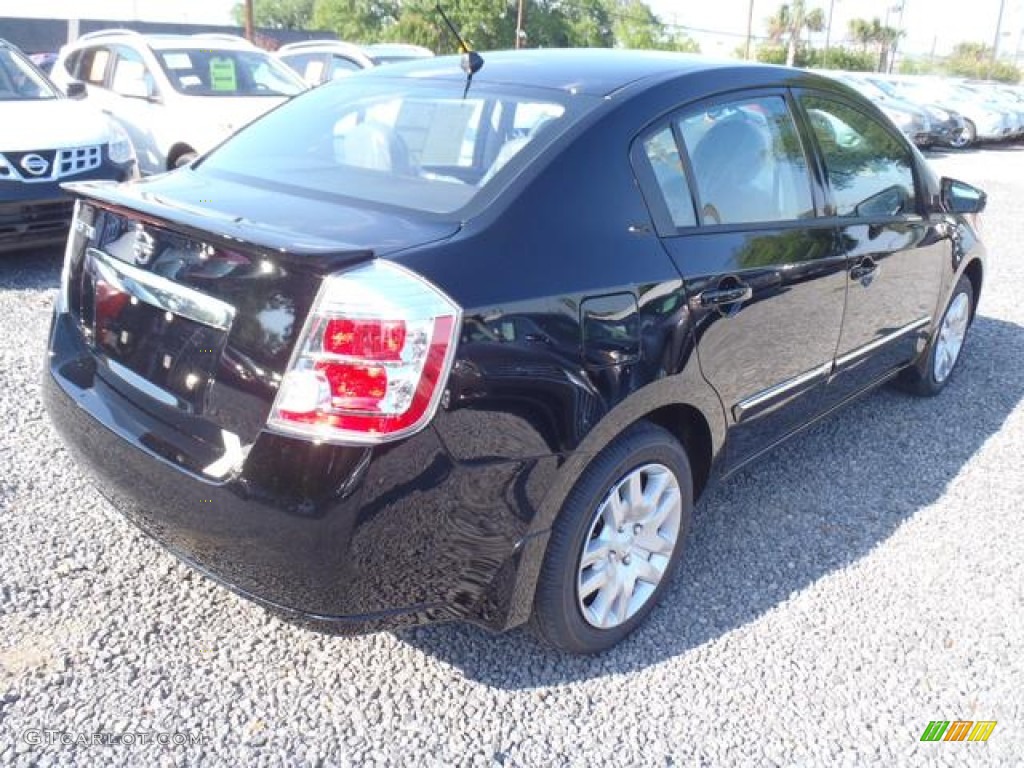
[865,272]
[720,297]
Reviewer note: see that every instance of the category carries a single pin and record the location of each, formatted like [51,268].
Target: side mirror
[76,90]
[960,197]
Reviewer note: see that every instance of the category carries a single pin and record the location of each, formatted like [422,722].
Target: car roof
[166,41]
[597,71]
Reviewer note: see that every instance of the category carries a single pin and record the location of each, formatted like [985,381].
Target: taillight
[373,359]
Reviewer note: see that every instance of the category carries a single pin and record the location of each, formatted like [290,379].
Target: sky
[928,23]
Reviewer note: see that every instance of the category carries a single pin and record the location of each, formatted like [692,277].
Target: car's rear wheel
[933,371]
[616,543]
[184,158]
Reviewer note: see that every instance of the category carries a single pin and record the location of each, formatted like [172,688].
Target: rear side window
[869,170]
[661,152]
[93,67]
[748,163]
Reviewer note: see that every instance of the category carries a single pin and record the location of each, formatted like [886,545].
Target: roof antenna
[472,61]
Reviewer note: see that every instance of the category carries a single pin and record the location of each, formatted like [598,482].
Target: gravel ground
[837,597]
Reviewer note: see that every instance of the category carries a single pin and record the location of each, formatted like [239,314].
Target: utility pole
[828,33]
[521,25]
[999,32]
[248,20]
[750,29]
[899,33]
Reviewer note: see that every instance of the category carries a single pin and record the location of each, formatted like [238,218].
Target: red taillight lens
[365,339]
[372,360]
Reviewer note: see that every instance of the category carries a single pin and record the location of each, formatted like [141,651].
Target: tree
[278,14]
[361,21]
[874,34]
[975,60]
[789,24]
[634,25]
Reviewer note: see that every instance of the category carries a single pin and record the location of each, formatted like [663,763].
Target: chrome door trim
[871,346]
[745,407]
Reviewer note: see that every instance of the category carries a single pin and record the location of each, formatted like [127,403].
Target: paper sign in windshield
[222,75]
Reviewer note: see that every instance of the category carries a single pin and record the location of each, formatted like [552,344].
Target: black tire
[184,159]
[558,618]
[966,137]
[920,379]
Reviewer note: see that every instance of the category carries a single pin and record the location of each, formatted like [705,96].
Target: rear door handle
[718,297]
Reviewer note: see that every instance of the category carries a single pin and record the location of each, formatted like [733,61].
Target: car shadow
[31,269]
[813,507]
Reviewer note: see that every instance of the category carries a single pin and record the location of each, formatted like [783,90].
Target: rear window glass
[210,72]
[415,144]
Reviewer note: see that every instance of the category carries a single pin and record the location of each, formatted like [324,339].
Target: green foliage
[975,60]
[485,24]
[361,21]
[841,58]
[278,14]
[787,25]
[814,58]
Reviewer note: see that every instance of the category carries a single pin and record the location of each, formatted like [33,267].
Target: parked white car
[47,139]
[320,61]
[177,96]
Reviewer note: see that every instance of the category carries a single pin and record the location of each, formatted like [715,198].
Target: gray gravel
[836,598]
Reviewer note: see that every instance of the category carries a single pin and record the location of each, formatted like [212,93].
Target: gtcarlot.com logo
[958,730]
[51,737]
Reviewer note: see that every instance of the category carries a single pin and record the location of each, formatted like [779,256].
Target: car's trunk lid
[191,309]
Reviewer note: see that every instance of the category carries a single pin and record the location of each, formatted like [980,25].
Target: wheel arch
[176,151]
[975,273]
[685,405]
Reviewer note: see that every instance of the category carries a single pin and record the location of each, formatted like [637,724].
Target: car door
[894,254]
[765,282]
[137,106]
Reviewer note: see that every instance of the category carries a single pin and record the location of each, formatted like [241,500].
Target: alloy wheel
[951,337]
[632,537]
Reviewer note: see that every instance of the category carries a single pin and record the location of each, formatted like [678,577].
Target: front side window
[412,143]
[130,76]
[869,170]
[309,66]
[342,67]
[748,163]
[228,72]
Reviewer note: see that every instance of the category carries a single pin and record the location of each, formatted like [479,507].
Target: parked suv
[176,95]
[47,139]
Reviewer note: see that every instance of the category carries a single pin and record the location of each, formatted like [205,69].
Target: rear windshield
[19,81]
[415,144]
[211,72]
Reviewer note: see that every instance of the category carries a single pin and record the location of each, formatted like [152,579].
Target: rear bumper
[361,538]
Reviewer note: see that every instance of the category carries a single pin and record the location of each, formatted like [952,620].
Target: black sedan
[421,347]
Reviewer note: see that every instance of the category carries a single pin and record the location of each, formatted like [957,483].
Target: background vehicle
[176,96]
[417,357]
[914,120]
[319,61]
[984,121]
[47,139]
[949,127]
